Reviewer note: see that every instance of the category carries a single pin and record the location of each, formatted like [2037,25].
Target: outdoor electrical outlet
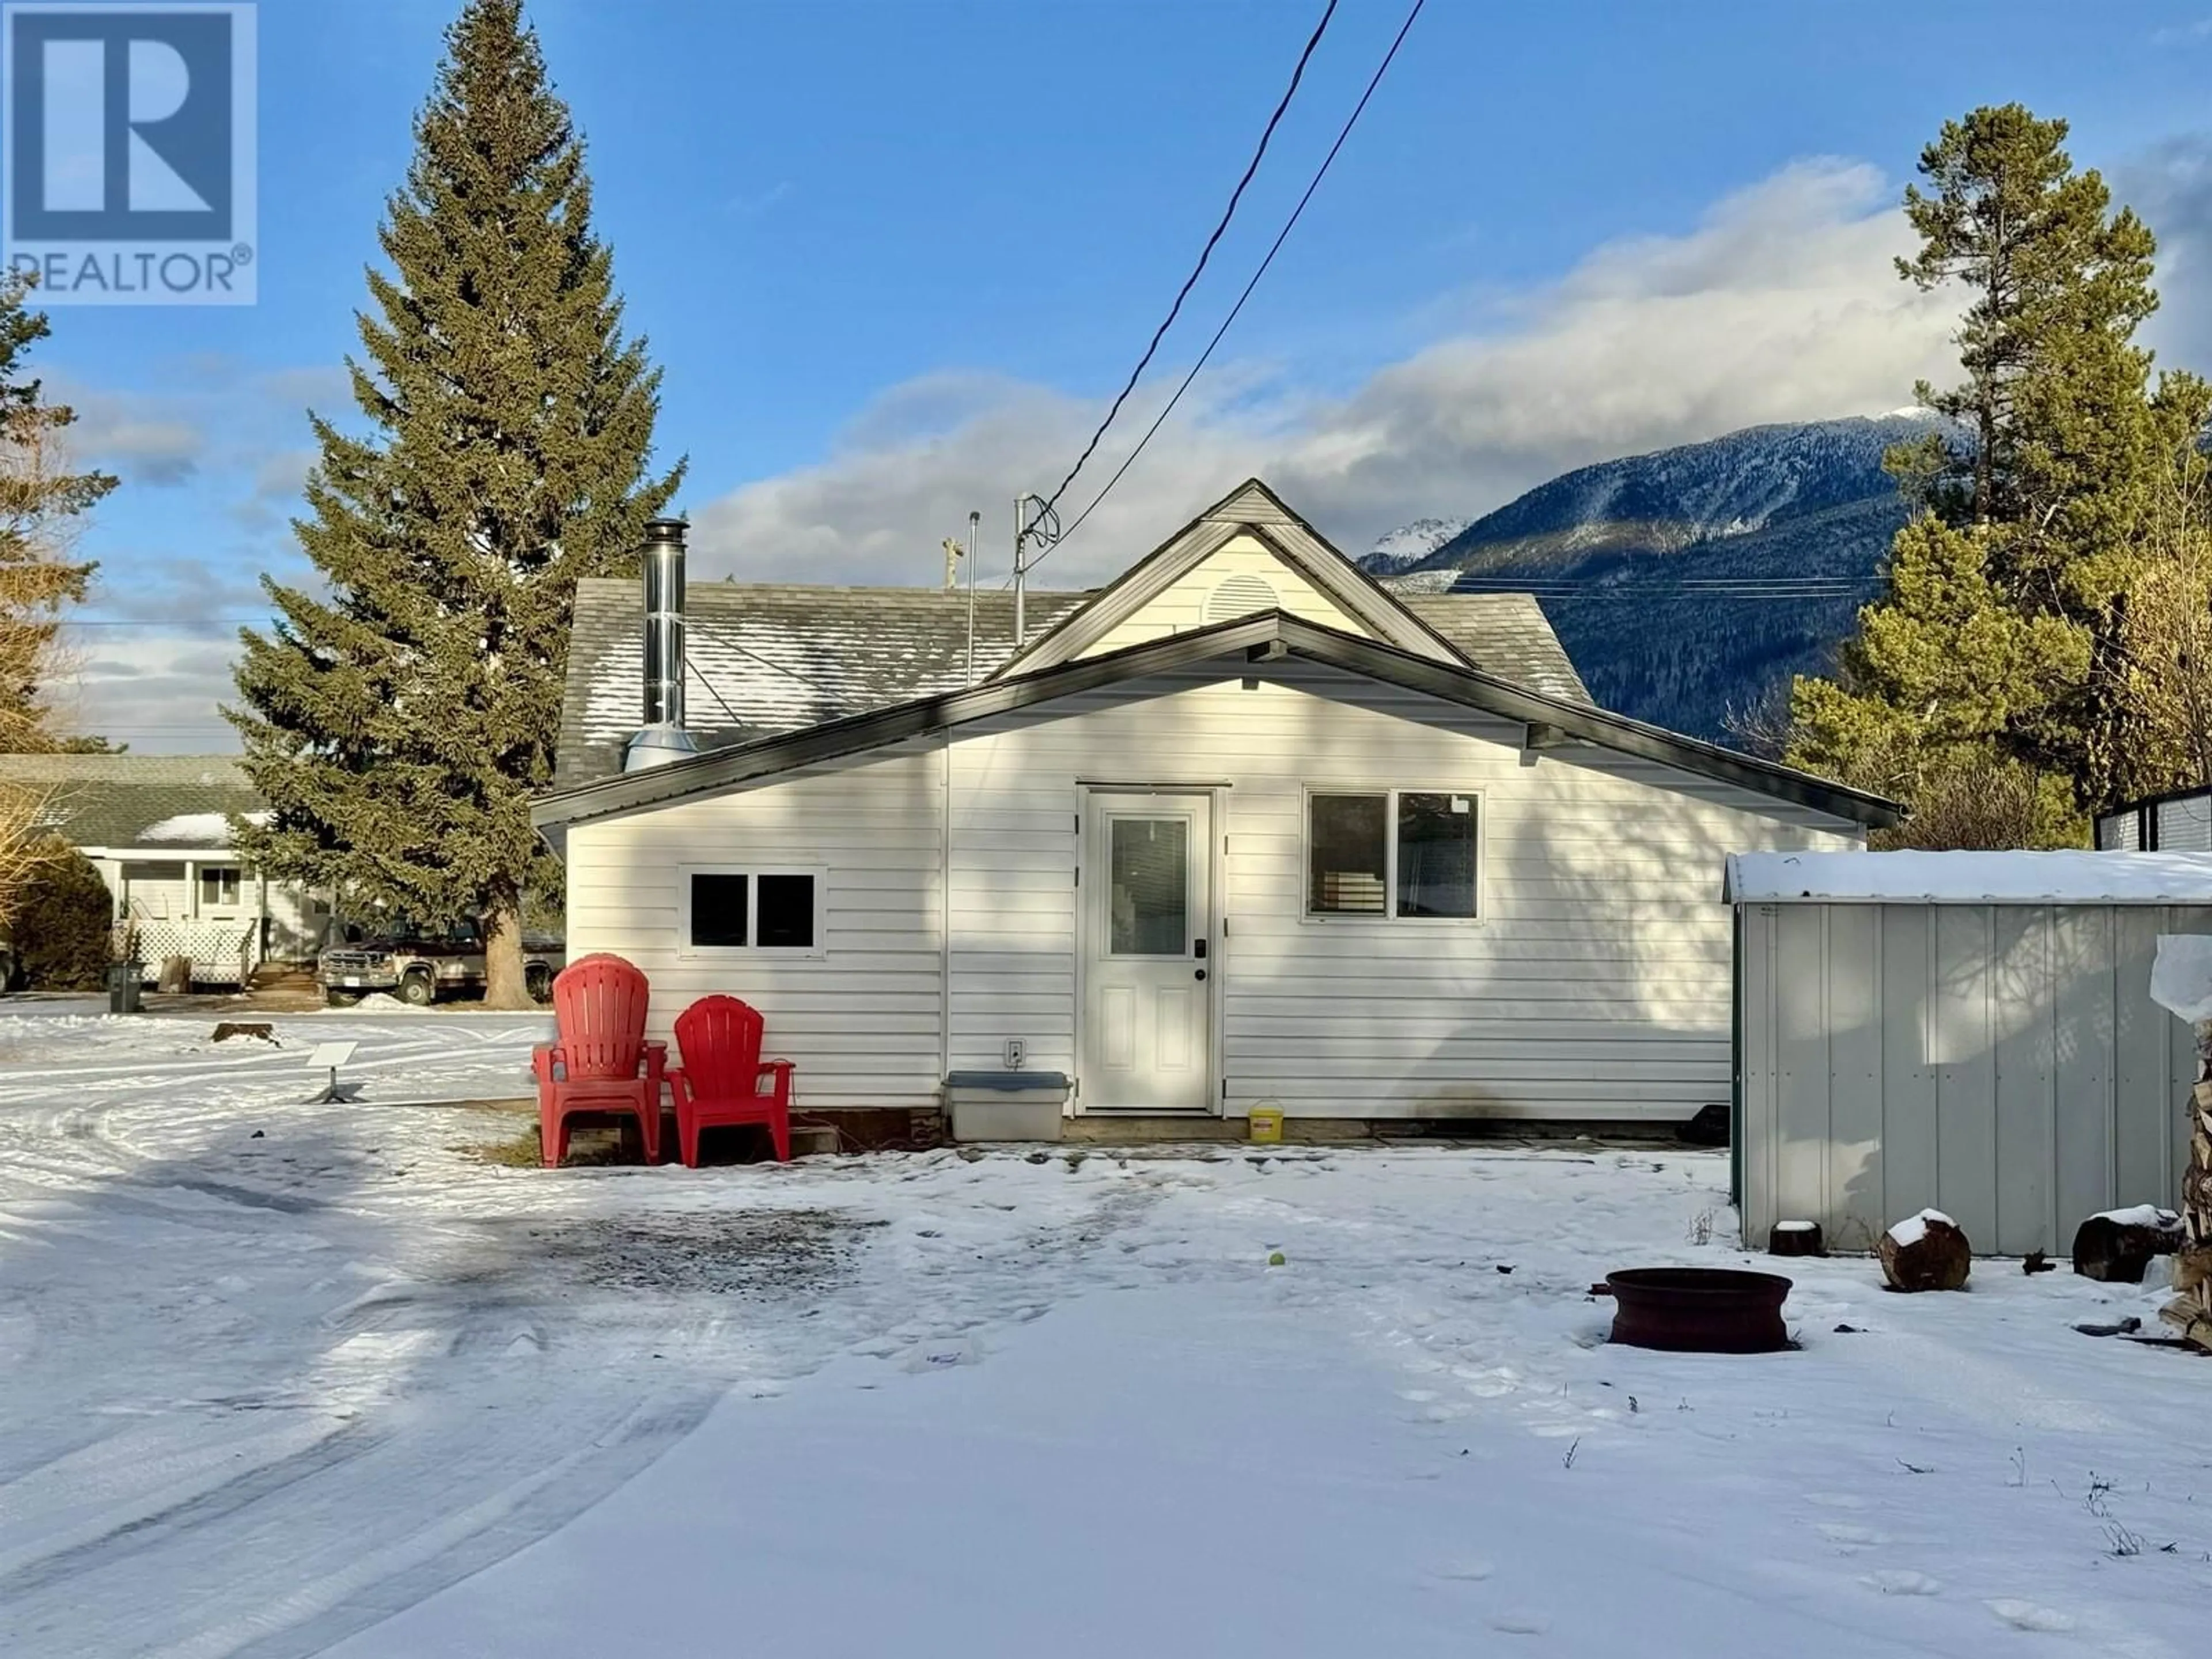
[1017,1052]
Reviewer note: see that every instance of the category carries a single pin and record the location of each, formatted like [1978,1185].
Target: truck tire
[418,990]
[537,979]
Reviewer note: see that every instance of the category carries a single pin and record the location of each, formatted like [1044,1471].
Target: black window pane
[1435,854]
[786,912]
[1350,854]
[718,911]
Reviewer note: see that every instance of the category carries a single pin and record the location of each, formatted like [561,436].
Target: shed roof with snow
[2003,877]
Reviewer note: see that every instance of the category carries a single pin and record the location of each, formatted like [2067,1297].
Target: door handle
[1201,974]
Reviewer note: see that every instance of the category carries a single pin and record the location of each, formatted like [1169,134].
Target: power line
[1282,236]
[1205,253]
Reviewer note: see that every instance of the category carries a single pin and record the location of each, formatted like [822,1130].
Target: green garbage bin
[124,979]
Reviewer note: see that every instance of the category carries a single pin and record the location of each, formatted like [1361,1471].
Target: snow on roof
[1970,878]
[195,828]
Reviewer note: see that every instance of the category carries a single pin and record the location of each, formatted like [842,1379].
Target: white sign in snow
[329,1056]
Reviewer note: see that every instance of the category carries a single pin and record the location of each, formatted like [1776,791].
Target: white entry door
[1149,947]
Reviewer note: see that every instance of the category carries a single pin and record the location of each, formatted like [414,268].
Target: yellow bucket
[1267,1124]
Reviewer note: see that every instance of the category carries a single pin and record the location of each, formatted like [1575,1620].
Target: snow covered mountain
[1690,582]
[1410,544]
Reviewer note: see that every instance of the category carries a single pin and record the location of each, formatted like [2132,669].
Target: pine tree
[2053,481]
[1938,671]
[2058,285]
[41,507]
[398,728]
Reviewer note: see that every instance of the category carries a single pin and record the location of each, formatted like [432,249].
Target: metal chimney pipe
[662,556]
[662,737]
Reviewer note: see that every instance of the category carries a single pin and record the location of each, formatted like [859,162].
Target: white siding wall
[298,919]
[1595,985]
[862,1020]
[1180,606]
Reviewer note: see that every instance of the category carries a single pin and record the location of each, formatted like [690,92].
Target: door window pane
[787,913]
[1435,854]
[1149,894]
[718,911]
[1349,854]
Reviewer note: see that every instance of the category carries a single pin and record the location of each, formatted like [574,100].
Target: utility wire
[1205,253]
[1289,224]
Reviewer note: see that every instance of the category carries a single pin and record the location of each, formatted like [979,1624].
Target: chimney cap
[667,530]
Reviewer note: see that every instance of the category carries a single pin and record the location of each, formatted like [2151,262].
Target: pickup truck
[421,964]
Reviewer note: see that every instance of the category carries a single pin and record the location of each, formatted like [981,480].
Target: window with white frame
[218,887]
[740,909]
[1392,853]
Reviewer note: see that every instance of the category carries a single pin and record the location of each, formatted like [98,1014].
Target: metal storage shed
[1972,1032]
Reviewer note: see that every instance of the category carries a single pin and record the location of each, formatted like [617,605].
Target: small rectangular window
[1150,900]
[1349,867]
[1395,853]
[218,887]
[1435,854]
[786,912]
[719,911]
[750,910]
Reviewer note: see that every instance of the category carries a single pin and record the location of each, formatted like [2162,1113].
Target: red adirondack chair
[719,1040]
[602,1062]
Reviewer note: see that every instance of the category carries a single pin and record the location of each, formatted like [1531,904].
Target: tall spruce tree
[2050,484]
[42,503]
[398,728]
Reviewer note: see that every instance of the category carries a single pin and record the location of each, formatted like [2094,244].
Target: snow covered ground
[284,1379]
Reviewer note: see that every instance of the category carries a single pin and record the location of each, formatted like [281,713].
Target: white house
[157,827]
[1240,829]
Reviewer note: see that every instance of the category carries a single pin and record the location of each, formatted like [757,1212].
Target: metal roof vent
[662,737]
[1238,595]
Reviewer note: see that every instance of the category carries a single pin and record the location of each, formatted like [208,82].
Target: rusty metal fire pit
[1698,1309]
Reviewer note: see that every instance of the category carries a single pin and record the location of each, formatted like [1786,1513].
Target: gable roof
[175,802]
[1236,648]
[769,657]
[1250,509]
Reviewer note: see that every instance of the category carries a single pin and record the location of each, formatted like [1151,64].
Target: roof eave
[1451,682]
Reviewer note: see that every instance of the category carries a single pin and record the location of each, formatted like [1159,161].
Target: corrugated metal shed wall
[2003,1063]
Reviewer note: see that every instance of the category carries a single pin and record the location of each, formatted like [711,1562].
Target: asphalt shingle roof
[114,800]
[765,658]
[769,657]
[1506,634]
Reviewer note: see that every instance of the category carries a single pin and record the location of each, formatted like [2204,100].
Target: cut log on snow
[2181,981]
[2189,1312]
[1926,1252]
[1796,1238]
[2118,1246]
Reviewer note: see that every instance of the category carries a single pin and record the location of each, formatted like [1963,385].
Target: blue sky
[894,255]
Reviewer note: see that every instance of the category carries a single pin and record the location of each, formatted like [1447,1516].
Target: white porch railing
[223,952]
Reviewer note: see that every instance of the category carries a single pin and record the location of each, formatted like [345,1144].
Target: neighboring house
[2178,823]
[156,828]
[1240,829]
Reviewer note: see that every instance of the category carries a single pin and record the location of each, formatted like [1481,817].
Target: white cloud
[1782,304]
[145,439]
